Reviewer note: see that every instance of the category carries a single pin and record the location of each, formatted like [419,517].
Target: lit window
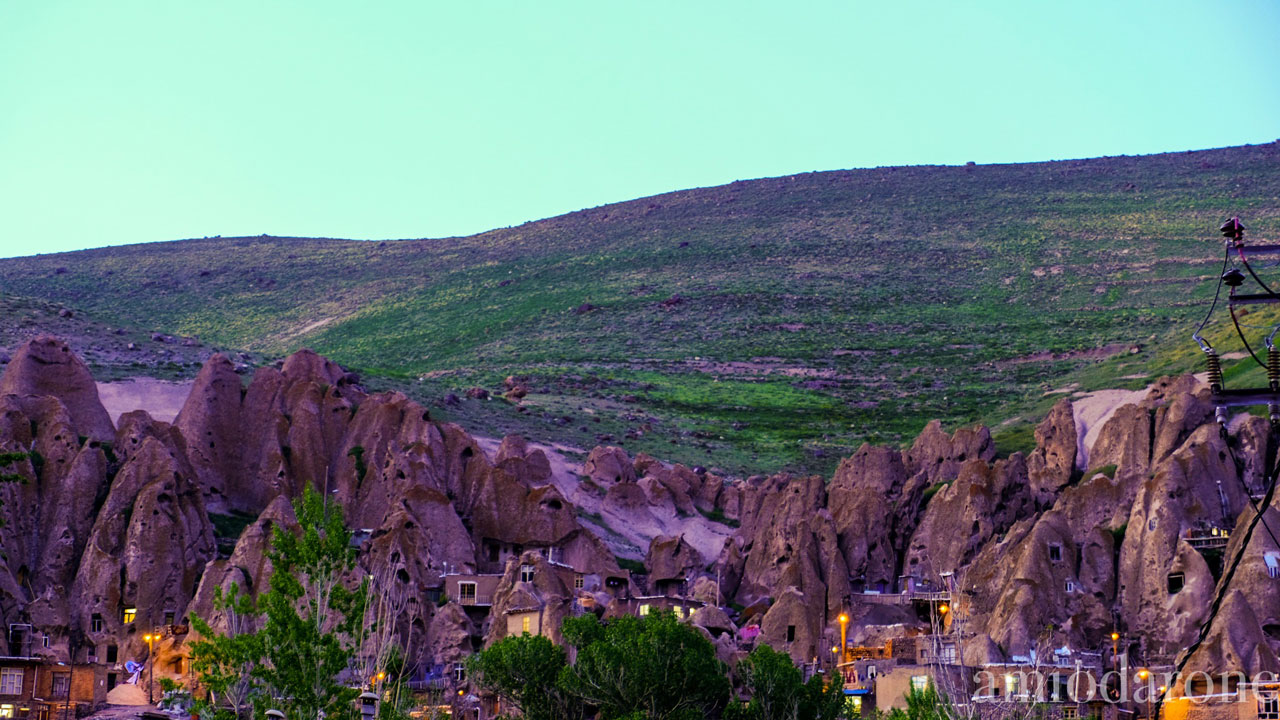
[679,611]
[526,573]
[524,624]
[852,707]
[6,711]
[1012,684]
[871,672]
[128,614]
[1268,706]
[467,593]
[11,682]
[644,610]
[919,683]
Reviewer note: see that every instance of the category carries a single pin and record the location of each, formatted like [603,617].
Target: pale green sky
[130,121]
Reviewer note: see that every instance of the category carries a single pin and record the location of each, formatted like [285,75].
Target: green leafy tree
[924,704]
[822,699]
[779,693]
[312,623]
[225,662]
[653,667]
[525,673]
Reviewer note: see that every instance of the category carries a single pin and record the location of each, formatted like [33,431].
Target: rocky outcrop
[939,455]
[982,501]
[1036,554]
[788,549]
[1196,488]
[607,466]
[1052,464]
[248,568]
[866,503]
[151,539]
[545,599]
[671,559]
[46,367]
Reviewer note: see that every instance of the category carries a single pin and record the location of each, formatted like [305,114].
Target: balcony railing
[903,598]
[472,600]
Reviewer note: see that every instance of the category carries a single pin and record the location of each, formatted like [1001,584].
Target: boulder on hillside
[609,465]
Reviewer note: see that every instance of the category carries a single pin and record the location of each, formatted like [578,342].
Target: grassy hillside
[758,325]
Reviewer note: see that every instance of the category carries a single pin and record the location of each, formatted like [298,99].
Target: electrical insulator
[1215,370]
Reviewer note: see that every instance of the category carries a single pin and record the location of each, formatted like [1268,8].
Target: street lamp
[151,664]
[844,638]
[1143,674]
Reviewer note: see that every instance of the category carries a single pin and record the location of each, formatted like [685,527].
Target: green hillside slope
[753,326]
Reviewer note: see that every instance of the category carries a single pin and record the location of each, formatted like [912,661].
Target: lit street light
[844,638]
[151,664]
[1143,674]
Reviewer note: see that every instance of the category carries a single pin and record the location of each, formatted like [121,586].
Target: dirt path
[627,535]
[162,399]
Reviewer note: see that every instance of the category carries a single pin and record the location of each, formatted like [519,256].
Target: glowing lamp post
[1143,675]
[150,639]
[844,638]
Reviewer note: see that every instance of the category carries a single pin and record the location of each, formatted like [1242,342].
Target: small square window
[95,624]
[1071,586]
[578,582]
[1055,552]
[6,711]
[871,672]
[919,683]
[113,653]
[644,610]
[1176,581]
[524,624]
[127,615]
[791,633]
[526,573]
[169,617]
[1070,713]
